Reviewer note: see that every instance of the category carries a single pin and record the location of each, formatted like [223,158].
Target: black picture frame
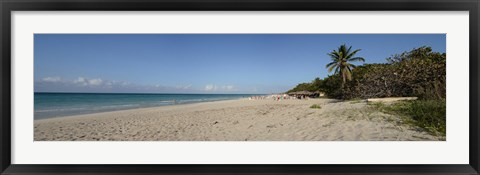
[7,6]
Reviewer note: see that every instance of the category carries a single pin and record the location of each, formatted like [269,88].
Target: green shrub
[315,106]
[421,78]
[427,114]
[377,105]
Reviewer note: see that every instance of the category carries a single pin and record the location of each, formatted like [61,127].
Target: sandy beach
[235,120]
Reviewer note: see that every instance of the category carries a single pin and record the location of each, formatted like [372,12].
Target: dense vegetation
[420,73]
[427,114]
[417,73]
[316,84]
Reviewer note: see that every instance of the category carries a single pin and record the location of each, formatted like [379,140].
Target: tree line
[419,72]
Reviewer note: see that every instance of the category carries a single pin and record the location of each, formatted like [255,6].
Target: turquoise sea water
[48,105]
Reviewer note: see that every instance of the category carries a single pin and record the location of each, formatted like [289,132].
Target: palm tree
[341,59]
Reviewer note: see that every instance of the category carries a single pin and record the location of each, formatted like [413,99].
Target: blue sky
[201,63]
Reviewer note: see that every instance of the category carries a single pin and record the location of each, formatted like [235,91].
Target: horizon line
[158,93]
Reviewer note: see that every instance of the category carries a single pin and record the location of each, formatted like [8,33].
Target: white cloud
[81,81]
[85,84]
[95,82]
[51,79]
[184,87]
[187,86]
[124,83]
[228,88]
[90,82]
[211,87]
[111,83]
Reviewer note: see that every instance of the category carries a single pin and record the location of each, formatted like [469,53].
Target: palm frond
[330,64]
[351,65]
[332,67]
[357,59]
[350,55]
[333,55]
[348,51]
[343,49]
[337,70]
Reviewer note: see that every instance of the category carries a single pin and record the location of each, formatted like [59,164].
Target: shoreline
[234,120]
[114,110]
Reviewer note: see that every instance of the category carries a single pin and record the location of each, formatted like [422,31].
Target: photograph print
[239,87]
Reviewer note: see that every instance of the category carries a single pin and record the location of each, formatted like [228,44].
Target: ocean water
[49,105]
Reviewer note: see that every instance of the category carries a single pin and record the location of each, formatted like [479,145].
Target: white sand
[235,120]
